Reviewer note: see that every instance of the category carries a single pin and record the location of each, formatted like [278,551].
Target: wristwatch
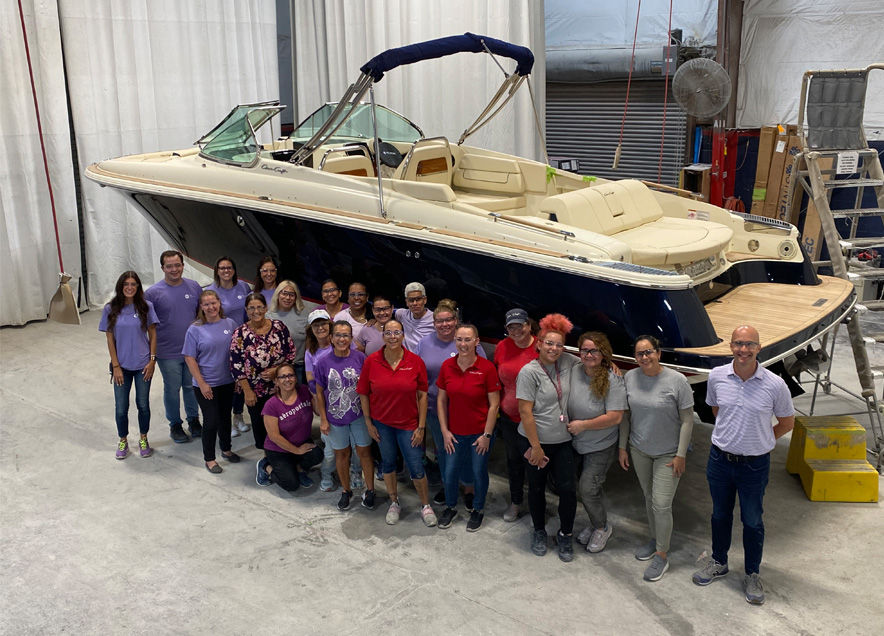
[486,435]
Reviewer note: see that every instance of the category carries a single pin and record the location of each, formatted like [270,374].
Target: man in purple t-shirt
[175,300]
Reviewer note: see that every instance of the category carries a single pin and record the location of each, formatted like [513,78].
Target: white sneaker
[599,538]
[512,513]
[429,516]
[393,513]
[240,424]
[234,432]
[585,534]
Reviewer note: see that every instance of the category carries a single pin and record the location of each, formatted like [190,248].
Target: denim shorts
[353,433]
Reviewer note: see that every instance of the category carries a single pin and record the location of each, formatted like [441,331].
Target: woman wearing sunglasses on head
[393,392]
[542,389]
[658,428]
[288,306]
[595,408]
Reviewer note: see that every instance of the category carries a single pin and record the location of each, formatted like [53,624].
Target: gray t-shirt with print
[654,405]
[584,405]
[537,383]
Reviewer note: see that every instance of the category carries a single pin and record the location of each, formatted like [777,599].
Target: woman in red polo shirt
[469,397]
[393,390]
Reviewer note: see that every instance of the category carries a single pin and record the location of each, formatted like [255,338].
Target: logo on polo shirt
[186,296]
[226,331]
[239,297]
[453,353]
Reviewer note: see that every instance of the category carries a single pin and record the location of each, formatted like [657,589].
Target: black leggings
[258,429]
[286,465]
[561,464]
[216,418]
[515,462]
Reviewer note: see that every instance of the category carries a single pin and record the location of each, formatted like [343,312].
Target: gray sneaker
[599,538]
[646,552]
[512,513]
[656,569]
[754,589]
[709,572]
[585,535]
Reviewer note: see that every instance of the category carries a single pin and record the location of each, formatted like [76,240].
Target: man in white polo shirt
[745,397]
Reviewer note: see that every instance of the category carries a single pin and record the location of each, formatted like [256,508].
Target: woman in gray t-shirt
[542,394]
[658,430]
[596,404]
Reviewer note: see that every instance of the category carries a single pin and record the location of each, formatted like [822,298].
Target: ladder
[835,155]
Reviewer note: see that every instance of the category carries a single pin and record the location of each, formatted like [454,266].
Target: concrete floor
[159,545]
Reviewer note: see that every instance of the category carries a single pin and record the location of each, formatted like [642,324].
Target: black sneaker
[439,497]
[368,499]
[538,542]
[447,517]
[176,432]
[566,546]
[344,501]
[468,501]
[475,521]
[196,429]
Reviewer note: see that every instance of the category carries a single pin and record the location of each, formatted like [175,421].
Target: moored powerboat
[358,192]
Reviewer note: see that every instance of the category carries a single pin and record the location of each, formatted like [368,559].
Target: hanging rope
[24,34]
[628,84]
[665,94]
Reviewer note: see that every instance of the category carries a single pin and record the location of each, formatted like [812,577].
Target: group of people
[379,377]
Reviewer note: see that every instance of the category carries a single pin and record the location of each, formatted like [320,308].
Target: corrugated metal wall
[583,122]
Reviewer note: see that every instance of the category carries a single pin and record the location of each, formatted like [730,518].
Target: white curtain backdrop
[784,38]
[28,254]
[333,38]
[149,75]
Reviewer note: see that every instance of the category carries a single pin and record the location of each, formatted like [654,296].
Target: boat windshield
[391,125]
[233,140]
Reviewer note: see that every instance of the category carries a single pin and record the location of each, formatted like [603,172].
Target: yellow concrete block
[825,437]
[840,480]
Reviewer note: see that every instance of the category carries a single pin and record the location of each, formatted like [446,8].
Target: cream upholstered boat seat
[628,211]
[356,165]
[429,160]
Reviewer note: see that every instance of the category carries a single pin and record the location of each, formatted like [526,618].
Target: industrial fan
[701,87]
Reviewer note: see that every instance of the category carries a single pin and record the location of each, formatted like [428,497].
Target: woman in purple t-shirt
[206,353]
[288,448]
[130,323]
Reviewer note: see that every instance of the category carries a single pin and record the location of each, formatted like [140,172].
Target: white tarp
[608,25]
[28,254]
[784,38]
[333,38]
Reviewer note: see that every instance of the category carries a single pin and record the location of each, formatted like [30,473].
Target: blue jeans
[391,438]
[439,444]
[748,479]
[175,376]
[142,402]
[465,464]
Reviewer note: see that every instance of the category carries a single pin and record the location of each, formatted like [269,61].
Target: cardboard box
[812,232]
[775,176]
[784,211]
[695,178]
[766,142]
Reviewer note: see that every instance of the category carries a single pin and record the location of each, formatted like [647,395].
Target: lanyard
[557,385]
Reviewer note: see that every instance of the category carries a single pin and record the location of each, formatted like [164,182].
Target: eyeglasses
[415,299]
[589,352]
[553,345]
[440,321]
[268,271]
[330,290]
[345,336]
[357,294]
[647,353]
[288,294]
[225,268]
[394,333]
[739,344]
[286,376]
[259,309]
[378,309]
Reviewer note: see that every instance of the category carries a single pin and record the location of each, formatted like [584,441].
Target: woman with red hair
[542,389]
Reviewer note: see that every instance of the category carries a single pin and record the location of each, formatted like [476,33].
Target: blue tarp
[431,49]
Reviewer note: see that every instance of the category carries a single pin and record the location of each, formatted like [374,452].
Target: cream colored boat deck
[776,310]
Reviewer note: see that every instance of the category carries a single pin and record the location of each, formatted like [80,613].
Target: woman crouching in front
[288,418]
